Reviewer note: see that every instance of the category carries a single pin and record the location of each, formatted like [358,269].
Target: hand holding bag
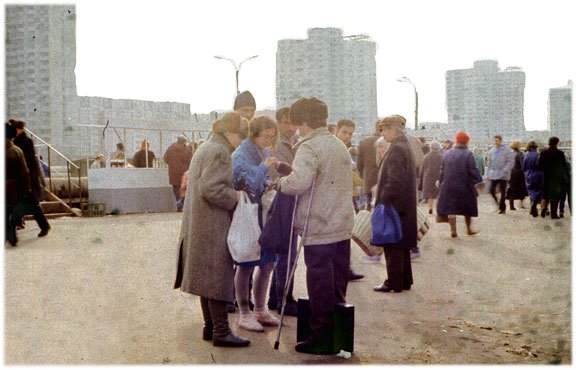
[386,226]
[244,231]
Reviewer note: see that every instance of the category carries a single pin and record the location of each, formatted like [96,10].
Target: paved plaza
[99,291]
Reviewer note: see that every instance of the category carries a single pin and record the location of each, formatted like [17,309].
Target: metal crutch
[293,268]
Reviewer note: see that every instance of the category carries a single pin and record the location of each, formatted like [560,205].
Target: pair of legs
[430,205]
[216,327]
[278,285]
[260,284]
[398,270]
[27,207]
[467,219]
[501,184]
[327,268]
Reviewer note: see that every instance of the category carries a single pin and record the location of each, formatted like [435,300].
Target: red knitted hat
[461,138]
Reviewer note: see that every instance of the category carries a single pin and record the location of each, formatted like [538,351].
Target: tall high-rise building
[40,62]
[341,71]
[485,101]
[560,112]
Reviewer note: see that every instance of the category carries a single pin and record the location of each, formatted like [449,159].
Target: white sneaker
[249,322]
[265,318]
[372,259]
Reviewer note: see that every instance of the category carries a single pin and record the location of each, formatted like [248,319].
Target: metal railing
[69,166]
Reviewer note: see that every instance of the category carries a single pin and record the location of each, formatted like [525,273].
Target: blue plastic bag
[385,226]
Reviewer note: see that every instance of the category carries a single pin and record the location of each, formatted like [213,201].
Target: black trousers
[327,268]
[280,274]
[398,268]
[29,207]
[502,184]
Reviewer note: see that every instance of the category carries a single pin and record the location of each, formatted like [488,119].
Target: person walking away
[36,180]
[517,186]
[459,180]
[321,176]
[533,177]
[552,163]
[251,164]
[177,156]
[500,164]
[430,173]
[17,181]
[204,266]
[397,188]
[284,153]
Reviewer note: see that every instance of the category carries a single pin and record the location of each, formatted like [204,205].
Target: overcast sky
[164,50]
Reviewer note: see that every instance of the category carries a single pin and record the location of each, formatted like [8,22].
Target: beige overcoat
[204,263]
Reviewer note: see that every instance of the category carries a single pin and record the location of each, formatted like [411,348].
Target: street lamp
[236,67]
[406,79]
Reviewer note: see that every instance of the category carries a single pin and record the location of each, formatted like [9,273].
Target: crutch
[293,268]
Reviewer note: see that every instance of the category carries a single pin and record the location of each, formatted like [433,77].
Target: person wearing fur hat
[459,180]
[245,104]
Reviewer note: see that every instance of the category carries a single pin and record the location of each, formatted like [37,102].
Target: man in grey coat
[500,164]
[321,178]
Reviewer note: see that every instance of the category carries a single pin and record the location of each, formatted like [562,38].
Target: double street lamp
[407,80]
[236,67]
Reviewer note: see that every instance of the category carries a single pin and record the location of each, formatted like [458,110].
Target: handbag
[361,233]
[244,231]
[386,226]
[422,222]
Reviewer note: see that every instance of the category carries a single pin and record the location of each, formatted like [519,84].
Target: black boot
[533,210]
[512,208]
[208,330]
[223,336]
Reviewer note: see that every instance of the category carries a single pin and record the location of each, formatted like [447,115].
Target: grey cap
[182,139]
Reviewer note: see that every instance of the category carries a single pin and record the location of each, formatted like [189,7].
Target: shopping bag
[422,222]
[361,233]
[244,231]
[386,227]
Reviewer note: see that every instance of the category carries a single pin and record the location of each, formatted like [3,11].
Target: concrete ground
[99,291]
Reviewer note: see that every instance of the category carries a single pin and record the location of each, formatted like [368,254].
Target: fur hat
[461,138]
[244,99]
[394,119]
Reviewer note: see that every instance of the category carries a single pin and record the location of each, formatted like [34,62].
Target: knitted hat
[461,138]
[244,99]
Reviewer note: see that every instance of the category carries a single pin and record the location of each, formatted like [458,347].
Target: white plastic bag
[244,231]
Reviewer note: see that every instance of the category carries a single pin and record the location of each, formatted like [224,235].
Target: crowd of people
[309,182]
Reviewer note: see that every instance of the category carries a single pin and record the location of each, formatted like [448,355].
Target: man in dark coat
[552,163]
[17,181]
[367,166]
[36,180]
[177,157]
[397,188]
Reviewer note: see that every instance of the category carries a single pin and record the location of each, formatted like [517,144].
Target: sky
[164,50]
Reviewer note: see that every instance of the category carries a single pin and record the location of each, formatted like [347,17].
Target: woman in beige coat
[204,264]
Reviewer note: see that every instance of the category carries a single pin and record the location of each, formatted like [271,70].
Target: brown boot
[223,336]
[452,222]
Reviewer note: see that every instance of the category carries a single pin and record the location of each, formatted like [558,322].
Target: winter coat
[517,186]
[321,155]
[366,162]
[458,177]
[16,175]
[397,188]
[429,174]
[177,157]
[553,164]
[36,179]
[500,163]
[204,263]
[139,159]
[533,177]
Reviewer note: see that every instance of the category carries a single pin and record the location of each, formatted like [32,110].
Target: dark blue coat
[458,177]
[532,175]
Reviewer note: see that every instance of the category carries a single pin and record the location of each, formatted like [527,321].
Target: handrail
[51,147]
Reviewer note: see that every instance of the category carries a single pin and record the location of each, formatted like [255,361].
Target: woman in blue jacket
[251,164]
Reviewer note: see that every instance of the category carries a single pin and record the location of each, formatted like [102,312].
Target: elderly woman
[397,188]
[459,177]
[516,186]
[429,174]
[533,177]
[205,266]
[251,173]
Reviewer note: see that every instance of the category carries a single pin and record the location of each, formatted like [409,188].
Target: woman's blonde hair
[515,145]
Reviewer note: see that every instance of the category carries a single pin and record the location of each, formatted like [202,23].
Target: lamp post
[236,67]
[406,79]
